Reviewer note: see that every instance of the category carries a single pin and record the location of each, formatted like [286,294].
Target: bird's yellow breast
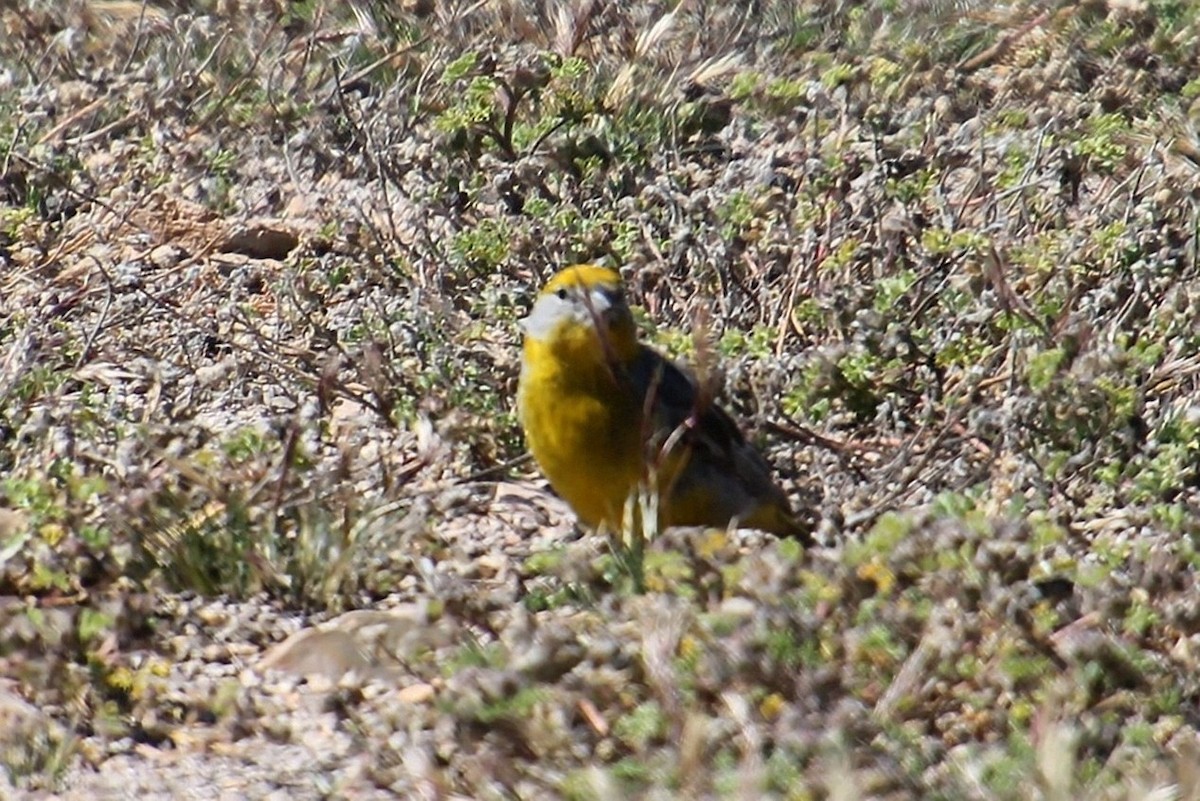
[583,428]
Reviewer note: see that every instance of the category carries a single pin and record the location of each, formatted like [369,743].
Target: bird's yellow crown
[581,316]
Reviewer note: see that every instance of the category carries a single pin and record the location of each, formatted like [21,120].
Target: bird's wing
[681,415]
[674,405]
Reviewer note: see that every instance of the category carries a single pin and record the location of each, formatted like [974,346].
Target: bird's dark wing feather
[675,400]
[723,476]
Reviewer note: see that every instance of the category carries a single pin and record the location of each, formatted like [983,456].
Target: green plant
[1103,140]
[483,248]
[514,111]
[642,726]
[515,707]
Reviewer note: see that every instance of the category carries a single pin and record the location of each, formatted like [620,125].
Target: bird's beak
[600,305]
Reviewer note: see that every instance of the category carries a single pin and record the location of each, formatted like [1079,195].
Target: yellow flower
[607,418]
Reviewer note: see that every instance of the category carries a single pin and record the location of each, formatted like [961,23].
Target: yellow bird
[605,417]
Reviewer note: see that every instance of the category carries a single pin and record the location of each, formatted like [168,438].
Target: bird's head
[580,308]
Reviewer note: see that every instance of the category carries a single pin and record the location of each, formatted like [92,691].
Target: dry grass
[260,267]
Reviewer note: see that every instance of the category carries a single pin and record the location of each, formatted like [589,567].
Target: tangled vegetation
[265,516]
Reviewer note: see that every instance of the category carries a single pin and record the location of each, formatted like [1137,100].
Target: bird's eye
[562,294]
